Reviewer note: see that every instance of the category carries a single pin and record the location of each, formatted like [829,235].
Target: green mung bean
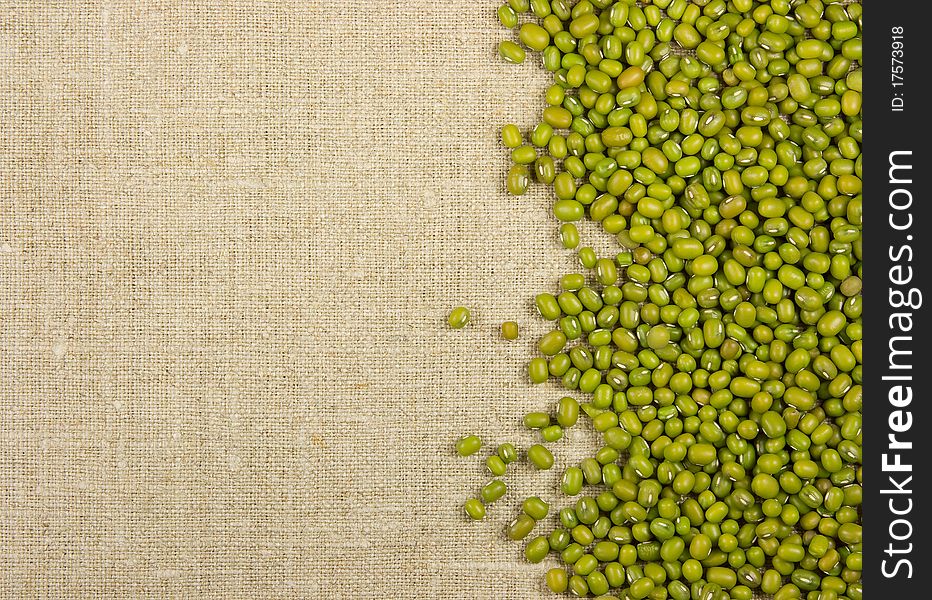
[493,490]
[474,509]
[507,453]
[468,445]
[536,508]
[495,465]
[511,52]
[458,317]
[540,457]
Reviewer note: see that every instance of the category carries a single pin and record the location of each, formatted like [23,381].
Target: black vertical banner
[896,454]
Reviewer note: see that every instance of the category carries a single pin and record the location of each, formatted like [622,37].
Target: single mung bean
[540,457]
[493,490]
[474,509]
[458,317]
[468,445]
[536,508]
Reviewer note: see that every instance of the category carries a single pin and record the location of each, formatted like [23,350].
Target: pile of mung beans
[718,352]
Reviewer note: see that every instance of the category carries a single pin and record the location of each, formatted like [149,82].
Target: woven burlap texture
[229,236]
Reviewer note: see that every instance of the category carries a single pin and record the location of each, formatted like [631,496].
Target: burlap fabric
[230,233]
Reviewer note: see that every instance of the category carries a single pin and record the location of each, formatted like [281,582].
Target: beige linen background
[230,233]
